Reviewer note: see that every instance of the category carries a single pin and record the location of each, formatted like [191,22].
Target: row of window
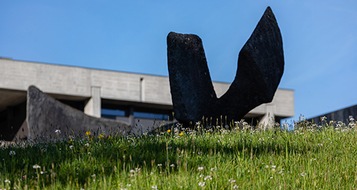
[115,113]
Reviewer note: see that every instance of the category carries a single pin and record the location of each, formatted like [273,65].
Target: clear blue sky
[319,36]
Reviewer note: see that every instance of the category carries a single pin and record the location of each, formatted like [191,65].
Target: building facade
[130,97]
[344,115]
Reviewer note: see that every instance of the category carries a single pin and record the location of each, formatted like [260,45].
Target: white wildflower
[7,181]
[232,181]
[201,184]
[36,166]
[273,167]
[208,178]
[339,124]
[200,168]
[12,153]
[154,187]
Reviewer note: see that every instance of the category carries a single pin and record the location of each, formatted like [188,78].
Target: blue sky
[319,38]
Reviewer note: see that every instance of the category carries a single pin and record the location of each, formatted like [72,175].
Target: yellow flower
[181,133]
[100,136]
[88,133]
[168,131]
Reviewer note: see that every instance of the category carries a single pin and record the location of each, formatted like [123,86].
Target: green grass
[220,159]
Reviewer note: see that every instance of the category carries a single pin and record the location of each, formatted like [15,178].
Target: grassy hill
[310,157]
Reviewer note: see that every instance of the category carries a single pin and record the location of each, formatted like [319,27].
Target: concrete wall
[76,81]
[92,86]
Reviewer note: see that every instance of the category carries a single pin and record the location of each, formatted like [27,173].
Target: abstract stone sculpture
[260,68]
[49,119]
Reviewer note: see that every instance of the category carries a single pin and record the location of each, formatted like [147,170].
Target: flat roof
[75,83]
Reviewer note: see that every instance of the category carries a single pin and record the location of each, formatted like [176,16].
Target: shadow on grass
[79,160]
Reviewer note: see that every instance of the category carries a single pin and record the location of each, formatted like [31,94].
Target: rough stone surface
[48,120]
[190,82]
[260,63]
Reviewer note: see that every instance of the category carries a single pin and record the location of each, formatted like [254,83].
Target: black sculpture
[260,68]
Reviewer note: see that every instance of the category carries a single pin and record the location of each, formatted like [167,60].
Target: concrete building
[130,97]
[344,115]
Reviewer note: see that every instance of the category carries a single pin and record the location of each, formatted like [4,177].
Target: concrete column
[130,115]
[268,120]
[93,106]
